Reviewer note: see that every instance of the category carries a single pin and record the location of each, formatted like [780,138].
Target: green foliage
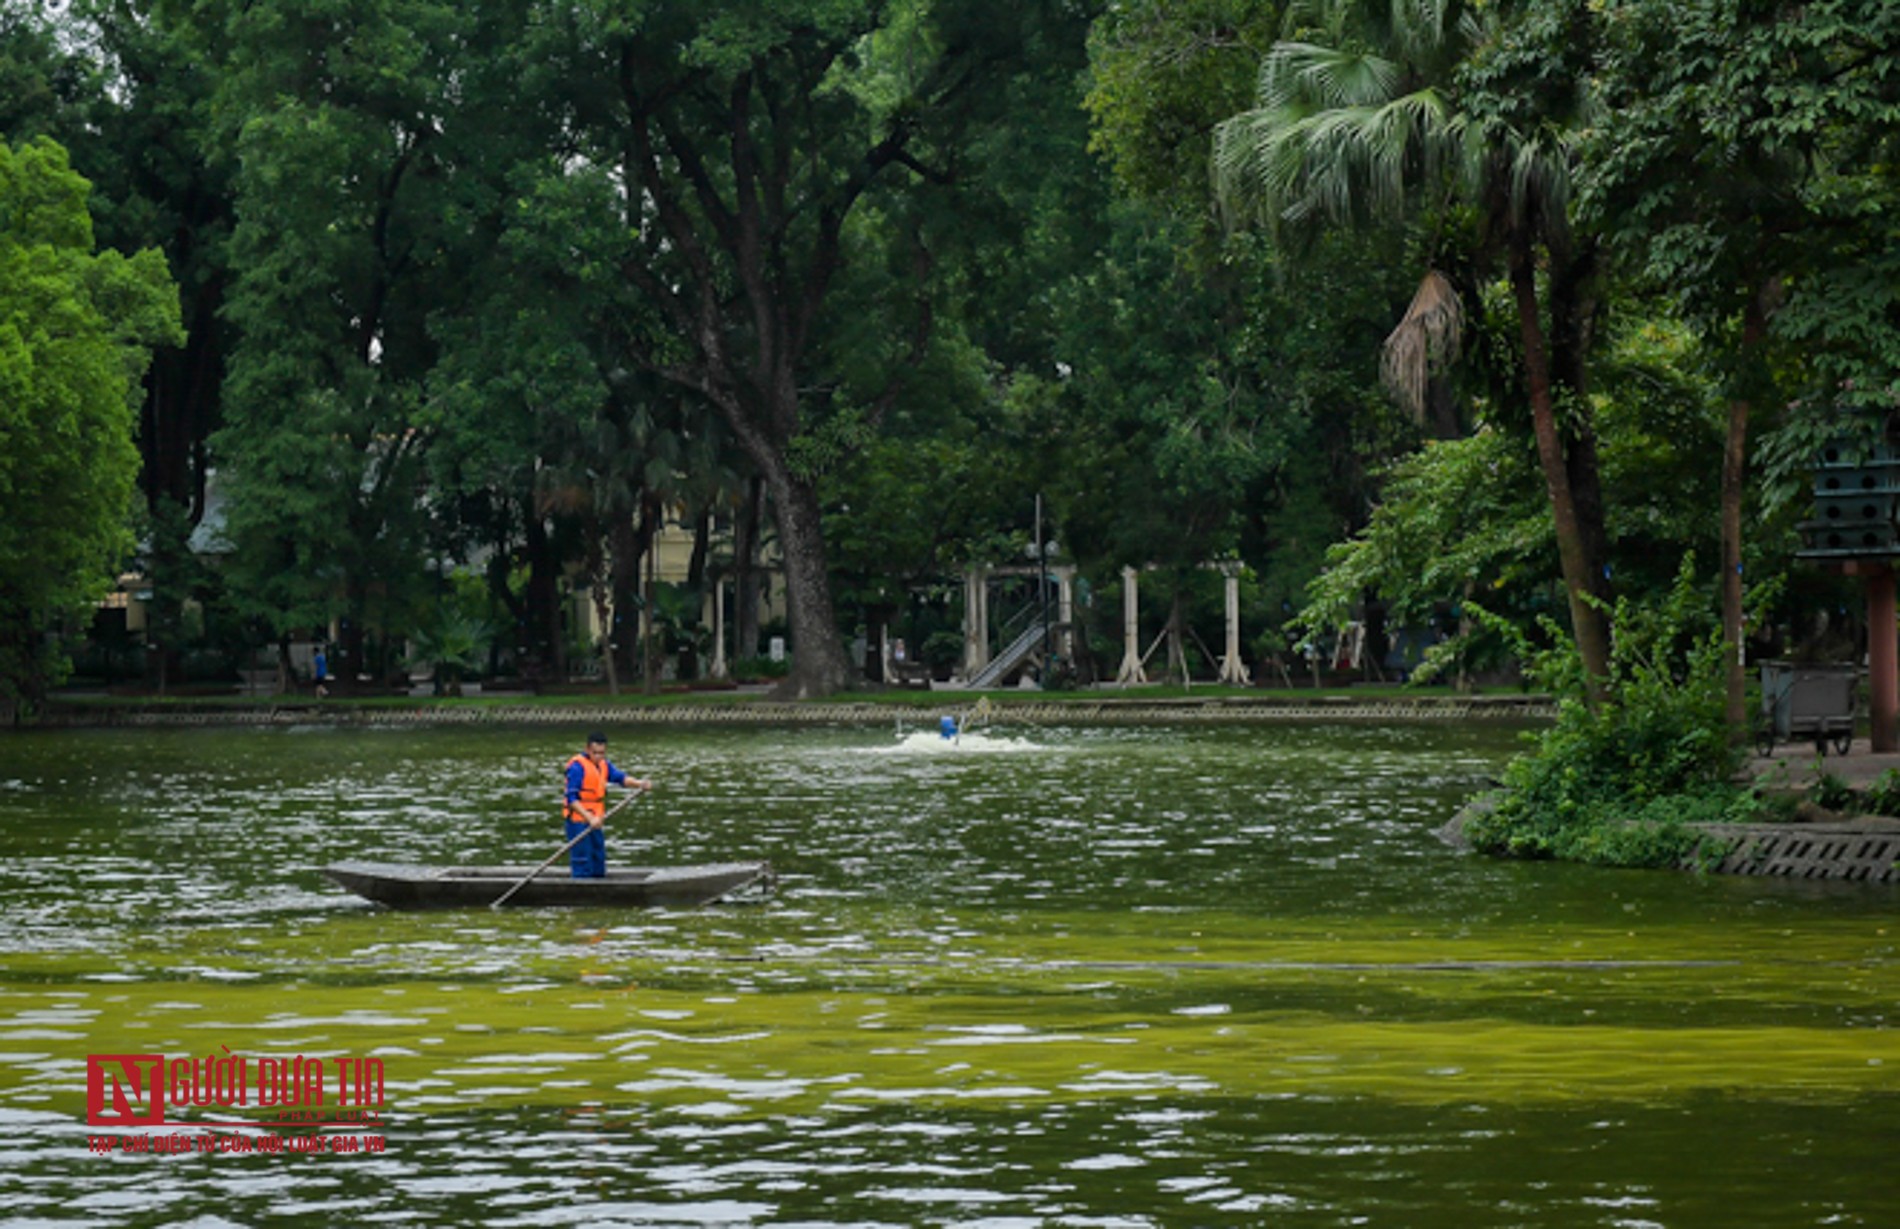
[1465,119]
[1205,414]
[1883,796]
[1831,791]
[1468,518]
[1356,110]
[454,634]
[1746,160]
[751,669]
[942,650]
[1163,73]
[815,452]
[676,619]
[912,508]
[470,276]
[1619,784]
[452,643]
[76,331]
[344,241]
[1457,519]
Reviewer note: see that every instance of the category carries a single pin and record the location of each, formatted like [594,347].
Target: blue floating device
[948,726]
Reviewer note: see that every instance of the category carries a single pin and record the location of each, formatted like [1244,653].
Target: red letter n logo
[125,1090]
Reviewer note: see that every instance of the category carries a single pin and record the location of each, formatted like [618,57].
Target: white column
[1131,671]
[720,668]
[976,621]
[1232,668]
[1065,612]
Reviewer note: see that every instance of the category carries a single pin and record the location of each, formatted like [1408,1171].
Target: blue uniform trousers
[589,857]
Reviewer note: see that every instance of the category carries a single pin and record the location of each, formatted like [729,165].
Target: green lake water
[1077,977]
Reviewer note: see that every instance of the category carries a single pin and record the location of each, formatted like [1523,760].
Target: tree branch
[644,173]
[826,256]
[919,339]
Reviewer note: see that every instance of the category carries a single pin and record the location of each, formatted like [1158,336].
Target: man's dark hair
[597,737]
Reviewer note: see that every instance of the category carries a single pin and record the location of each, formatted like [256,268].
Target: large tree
[1163,74]
[750,150]
[344,124]
[1467,115]
[161,178]
[1467,520]
[76,332]
[1744,165]
[127,87]
[1292,329]
[537,408]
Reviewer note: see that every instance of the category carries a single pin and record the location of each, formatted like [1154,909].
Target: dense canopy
[1402,309]
[76,331]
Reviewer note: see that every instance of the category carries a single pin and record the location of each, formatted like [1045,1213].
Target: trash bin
[1802,701]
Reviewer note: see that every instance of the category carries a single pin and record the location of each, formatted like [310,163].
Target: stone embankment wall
[768,713]
[1865,850]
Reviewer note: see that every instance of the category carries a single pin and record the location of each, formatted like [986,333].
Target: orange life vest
[592,800]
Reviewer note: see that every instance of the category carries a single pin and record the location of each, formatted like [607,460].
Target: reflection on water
[1028,976]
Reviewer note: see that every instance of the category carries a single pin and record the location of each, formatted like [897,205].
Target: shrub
[1883,796]
[1621,783]
[1831,792]
[750,668]
[942,651]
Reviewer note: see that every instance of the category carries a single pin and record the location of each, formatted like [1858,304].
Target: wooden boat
[408,886]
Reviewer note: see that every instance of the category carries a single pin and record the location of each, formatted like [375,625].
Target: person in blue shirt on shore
[588,776]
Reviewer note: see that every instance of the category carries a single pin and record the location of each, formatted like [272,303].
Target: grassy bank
[1156,703]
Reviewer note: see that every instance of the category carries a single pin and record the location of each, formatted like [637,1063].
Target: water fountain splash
[926,742]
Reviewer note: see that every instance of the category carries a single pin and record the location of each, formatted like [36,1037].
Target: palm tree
[1422,102]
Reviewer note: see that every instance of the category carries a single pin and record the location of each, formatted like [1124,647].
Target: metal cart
[1801,701]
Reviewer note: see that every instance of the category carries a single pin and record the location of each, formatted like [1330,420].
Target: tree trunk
[599,567]
[745,571]
[1573,314]
[650,512]
[1734,462]
[629,552]
[1177,639]
[545,648]
[702,551]
[502,592]
[181,407]
[876,619]
[1734,478]
[697,565]
[1588,624]
[819,663]
[1378,643]
[1465,627]
[1442,409]
[285,673]
[353,645]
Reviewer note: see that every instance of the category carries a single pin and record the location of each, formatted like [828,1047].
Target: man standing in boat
[588,776]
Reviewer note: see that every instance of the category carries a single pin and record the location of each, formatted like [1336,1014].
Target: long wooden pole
[557,855]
